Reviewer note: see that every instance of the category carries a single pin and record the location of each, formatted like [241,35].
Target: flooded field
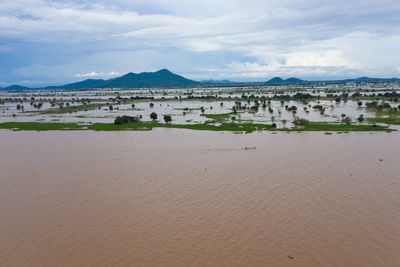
[193,106]
[173,197]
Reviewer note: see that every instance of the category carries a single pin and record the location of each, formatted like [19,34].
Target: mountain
[165,78]
[275,80]
[161,78]
[89,83]
[371,80]
[15,87]
[279,80]
[294,80]
[211,81]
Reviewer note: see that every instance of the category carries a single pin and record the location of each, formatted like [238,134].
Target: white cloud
[330,58]
[254,38]
[95,74]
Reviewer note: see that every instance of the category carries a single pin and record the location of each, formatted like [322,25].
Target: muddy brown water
[184,198]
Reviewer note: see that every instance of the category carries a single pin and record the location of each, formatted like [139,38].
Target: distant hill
[15,87]
[165,78]
[371,80]
[211,81]
[161,78]
[89,83]
[294,80]
[279,80]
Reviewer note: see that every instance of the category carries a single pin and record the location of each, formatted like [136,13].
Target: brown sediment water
[185,198]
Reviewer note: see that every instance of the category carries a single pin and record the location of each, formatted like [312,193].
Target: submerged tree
[347,120]
[301,122]
[153,116]
[167,118]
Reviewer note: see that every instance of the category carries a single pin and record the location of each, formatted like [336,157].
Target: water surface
[184,198]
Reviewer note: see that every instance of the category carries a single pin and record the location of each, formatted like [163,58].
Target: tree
[346,120]
[359,103]
[167,118]
[152,105]
[153,116]
[301,122]
[361,118]
[125,119]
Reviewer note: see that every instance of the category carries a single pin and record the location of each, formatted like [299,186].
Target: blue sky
[45,42]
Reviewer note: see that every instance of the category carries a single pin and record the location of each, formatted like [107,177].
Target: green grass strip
[147,126]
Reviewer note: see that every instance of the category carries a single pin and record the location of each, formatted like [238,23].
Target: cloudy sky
[46,42]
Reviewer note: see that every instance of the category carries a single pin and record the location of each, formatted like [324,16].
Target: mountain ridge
[165,78]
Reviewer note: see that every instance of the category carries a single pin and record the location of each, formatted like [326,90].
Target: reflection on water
[184,198]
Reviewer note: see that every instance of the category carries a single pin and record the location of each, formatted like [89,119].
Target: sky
[52,42]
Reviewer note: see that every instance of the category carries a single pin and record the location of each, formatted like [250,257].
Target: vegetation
[125,119]
[301,122]
[335,127]
[153,116]
[40,126]
[220,116]
[388,120]
[70,109]
[142,126]
[167,118]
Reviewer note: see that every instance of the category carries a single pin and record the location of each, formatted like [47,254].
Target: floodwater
[184,198]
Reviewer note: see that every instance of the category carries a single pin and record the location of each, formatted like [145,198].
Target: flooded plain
[173,197]
[193,106]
